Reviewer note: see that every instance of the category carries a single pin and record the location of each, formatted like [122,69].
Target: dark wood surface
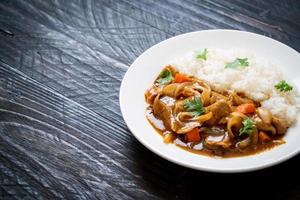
[62,135]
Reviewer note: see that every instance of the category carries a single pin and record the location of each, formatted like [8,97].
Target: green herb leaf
[165,77]
[202,55]
[194,106]
[283,86]
[238,63]
[248,127]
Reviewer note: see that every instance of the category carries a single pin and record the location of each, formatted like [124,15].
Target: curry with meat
[187,111]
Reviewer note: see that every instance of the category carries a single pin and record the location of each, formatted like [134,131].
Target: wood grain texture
[61,64]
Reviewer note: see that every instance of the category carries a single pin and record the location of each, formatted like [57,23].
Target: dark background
[62,135]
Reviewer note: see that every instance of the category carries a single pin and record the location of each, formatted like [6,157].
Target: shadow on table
[168,180]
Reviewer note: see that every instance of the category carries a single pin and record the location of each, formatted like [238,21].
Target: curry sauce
[186,111]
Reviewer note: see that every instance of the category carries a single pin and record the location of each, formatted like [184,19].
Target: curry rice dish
[220,118]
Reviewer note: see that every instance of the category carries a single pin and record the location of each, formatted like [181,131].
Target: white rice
[256,81]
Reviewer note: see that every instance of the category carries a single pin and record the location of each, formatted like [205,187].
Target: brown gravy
[187,111]
[199,148]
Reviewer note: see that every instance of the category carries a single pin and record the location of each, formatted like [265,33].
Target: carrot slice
[246,108]
[180,78]
[263,137]
[193,135]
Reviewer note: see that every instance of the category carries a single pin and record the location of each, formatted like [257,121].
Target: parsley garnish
[165,77]
[283,86]
[238,63]
[194,106]
[248,127]
[202,55]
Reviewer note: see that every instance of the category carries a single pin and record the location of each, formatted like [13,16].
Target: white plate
[146,67]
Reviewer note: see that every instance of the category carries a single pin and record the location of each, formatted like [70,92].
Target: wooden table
[62,135]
